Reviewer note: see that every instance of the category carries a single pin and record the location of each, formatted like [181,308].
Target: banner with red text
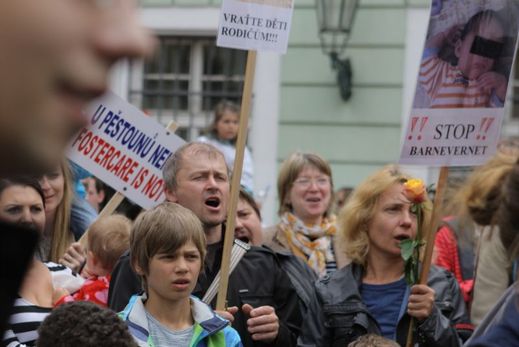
[125,149]
[458,107]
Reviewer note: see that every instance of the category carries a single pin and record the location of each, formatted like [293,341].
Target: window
[184,81]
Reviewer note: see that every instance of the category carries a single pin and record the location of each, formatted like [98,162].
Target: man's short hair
[84,324]
[372,340]
[174,162]
[108,238]
[164,229]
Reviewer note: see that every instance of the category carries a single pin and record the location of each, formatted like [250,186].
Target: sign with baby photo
[458,105]
[262,25]
[125,149]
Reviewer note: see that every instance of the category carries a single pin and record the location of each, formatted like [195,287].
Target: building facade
[296,103]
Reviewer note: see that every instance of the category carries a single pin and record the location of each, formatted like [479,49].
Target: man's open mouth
[213,202]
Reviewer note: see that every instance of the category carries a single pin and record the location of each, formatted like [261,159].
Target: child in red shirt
[108,238]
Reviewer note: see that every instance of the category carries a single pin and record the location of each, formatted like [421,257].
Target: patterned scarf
[310,242]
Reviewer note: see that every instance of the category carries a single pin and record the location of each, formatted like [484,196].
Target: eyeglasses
[305,182]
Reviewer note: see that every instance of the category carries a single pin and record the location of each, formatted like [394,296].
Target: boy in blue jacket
[167,247]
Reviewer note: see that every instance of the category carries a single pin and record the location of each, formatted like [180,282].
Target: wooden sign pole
[235,181]
[430,237]
[117,198]
[435,222]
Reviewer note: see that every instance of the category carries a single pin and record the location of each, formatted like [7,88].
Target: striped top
[447,88]
[331,264]
[23,324]
[63,277]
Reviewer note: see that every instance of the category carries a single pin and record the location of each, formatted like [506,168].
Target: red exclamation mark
[489,123]
[424,121]
[481,126]
[414,120]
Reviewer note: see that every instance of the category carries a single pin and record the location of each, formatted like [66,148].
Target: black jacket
[302,277]
[258,280]
[123,284]
[338,316]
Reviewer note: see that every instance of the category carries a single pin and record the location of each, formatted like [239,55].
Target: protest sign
[251,25]
[255,24]
[125,149]
[458,106]
[235,180]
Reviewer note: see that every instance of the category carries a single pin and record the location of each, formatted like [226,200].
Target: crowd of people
[311,280]
[330,273]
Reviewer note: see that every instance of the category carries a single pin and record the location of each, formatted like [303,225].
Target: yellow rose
[415,190]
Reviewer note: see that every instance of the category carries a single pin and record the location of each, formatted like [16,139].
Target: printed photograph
[468,55]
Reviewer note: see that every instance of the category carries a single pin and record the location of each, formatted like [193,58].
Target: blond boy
[108,238]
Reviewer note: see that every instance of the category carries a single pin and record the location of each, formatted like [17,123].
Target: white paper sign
[262,25]
[451,137]
[458,106]
[125,149]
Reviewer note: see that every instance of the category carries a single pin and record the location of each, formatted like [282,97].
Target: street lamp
[335,20]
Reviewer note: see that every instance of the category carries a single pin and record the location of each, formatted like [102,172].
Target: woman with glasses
[307,229]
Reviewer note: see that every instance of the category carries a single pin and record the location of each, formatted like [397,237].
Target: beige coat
[492,274]
[274,238]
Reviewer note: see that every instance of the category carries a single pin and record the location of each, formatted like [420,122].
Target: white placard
[125,149]
[262,25]
[451,137]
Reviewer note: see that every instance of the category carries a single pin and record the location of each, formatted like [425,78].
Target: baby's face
[474,65]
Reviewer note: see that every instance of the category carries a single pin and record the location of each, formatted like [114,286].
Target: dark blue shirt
[384,302]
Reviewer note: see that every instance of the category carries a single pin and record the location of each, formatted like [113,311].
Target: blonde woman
[307,228]
[371,295]
[57,236]
[499,326]
[472,215]
[494,271]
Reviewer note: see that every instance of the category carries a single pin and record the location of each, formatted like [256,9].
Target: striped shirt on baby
[447,88]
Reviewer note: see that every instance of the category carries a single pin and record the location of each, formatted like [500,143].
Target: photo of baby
[467,65]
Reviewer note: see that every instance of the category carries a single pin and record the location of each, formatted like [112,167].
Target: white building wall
[264,135]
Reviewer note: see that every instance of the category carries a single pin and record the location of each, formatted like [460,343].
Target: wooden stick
[409,340]
[117,198]
[236,176]
[430,237]
[435,222]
